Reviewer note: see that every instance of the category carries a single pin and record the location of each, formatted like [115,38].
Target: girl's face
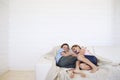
[66,48]
[76,49]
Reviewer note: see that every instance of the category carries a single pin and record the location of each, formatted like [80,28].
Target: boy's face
[66,48]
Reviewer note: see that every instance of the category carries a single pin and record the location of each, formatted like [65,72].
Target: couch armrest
[42,68]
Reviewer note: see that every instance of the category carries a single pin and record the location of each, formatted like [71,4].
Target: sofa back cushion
[53,52]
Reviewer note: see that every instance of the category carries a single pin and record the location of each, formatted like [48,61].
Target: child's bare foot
[80,72]
[71,73]
[94,70]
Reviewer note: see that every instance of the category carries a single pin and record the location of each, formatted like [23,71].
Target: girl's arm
[82,52]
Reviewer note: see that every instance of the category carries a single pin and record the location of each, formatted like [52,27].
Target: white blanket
[107,71]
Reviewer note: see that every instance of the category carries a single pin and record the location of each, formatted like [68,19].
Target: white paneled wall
[36,26]
[3,36]
[116,20]
[3,63]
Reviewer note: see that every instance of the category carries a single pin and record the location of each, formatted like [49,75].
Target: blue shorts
[92,58]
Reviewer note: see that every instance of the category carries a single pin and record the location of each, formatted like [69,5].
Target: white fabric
[42,68]
[49,71]
[111,53]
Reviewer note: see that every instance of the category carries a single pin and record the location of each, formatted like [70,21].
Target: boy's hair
[65,44]
[75,46]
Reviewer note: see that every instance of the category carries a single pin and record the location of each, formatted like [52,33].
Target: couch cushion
[51,54]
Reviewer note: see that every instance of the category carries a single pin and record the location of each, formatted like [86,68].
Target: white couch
[109,54]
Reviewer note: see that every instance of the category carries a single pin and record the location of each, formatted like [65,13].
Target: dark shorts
[70,61]
[92,58]
[67,62]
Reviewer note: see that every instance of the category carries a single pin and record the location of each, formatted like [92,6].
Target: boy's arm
[65,53]
[73,54]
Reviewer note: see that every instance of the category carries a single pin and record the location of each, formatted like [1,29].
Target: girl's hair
[75,46]
[65,44]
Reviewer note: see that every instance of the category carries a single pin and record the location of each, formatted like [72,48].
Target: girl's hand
[82,51]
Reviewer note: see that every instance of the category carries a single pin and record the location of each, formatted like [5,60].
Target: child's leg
[71,73]
[77,65]
[85,60]
[84,66]
[77,69]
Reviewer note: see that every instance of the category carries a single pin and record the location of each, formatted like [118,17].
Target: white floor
[18,75]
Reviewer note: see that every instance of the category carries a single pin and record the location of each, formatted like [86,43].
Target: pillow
[51,55]
[90,49]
